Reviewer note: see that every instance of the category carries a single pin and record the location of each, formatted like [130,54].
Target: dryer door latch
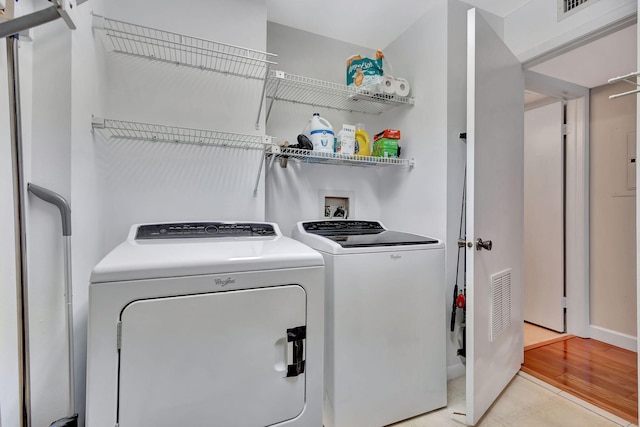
[296,336]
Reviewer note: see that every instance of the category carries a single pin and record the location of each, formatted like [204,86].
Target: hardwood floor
[598,373]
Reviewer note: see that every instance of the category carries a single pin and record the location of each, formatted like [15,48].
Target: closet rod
[618,95]
[22,23]
[625,77]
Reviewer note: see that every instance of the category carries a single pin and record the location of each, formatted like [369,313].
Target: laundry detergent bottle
[321,134]
[363,145]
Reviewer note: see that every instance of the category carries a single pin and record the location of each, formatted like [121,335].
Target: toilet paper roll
[387,85]
[402,87]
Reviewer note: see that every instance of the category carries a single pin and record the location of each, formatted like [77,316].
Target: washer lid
[191,255]
[381,238]
[338,236]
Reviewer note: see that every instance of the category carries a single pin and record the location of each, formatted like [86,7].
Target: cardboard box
[387,133]
[385,147]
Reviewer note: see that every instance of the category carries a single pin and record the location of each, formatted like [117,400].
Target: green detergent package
[385,147]
[364,72]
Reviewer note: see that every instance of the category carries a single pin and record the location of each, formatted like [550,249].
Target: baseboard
[455,371]
[618,339]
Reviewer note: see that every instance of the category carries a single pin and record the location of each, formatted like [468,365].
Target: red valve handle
[460,301]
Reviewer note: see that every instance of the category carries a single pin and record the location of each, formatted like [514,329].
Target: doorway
[614,146]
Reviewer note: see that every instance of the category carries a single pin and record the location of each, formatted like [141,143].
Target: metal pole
[20,230]
[65,215]
[15,25]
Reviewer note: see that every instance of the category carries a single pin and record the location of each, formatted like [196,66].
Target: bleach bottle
[321,133]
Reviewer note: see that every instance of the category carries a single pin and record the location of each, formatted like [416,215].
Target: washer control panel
[329,228]
[188,230]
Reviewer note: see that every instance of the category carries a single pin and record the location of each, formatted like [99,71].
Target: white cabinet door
[495,115]
[544,217]
[217,359]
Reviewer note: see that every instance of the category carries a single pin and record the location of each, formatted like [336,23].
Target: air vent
[569,7]
[500,293]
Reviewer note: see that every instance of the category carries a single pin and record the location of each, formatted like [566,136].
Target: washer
[385,349]
[206,323]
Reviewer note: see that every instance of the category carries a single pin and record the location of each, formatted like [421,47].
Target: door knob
[483,245]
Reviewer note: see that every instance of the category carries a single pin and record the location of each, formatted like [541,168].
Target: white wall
[88,96]
[612,229]
[533,29]
[293,193]
[161,182]
[427,200]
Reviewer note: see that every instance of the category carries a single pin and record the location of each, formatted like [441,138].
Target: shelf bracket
[97,122]
[264,91]
[278,75]
[267,141]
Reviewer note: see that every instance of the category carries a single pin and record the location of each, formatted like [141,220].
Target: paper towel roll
[387,85]
[402,87]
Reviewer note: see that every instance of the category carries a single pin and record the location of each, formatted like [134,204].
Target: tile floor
[526,402]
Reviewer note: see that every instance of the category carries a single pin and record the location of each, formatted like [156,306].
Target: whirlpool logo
[395,257]
[225,282]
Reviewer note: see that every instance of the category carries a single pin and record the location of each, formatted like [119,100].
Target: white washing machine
[385,348]
[206,324]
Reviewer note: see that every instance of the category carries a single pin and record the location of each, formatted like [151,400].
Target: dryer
[385,342]
[206,324]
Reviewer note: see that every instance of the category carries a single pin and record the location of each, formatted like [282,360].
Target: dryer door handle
[297,336]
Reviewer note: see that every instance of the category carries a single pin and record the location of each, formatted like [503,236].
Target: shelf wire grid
[309,156]
[282,86]
[120,129]
[165,46]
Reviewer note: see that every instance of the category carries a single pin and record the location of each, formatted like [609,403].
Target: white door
[495,115]
[544,217]
[218,359]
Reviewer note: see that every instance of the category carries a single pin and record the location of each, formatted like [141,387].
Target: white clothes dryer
[385,342]
[206,324]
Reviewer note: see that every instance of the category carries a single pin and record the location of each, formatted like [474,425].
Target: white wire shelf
[120,129]
[308,156]
[282,86]
[165,46]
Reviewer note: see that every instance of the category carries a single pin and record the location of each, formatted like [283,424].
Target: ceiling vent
[569,7]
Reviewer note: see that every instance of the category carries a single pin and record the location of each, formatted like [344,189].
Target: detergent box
[363,72]
[385,143]
[385,147]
